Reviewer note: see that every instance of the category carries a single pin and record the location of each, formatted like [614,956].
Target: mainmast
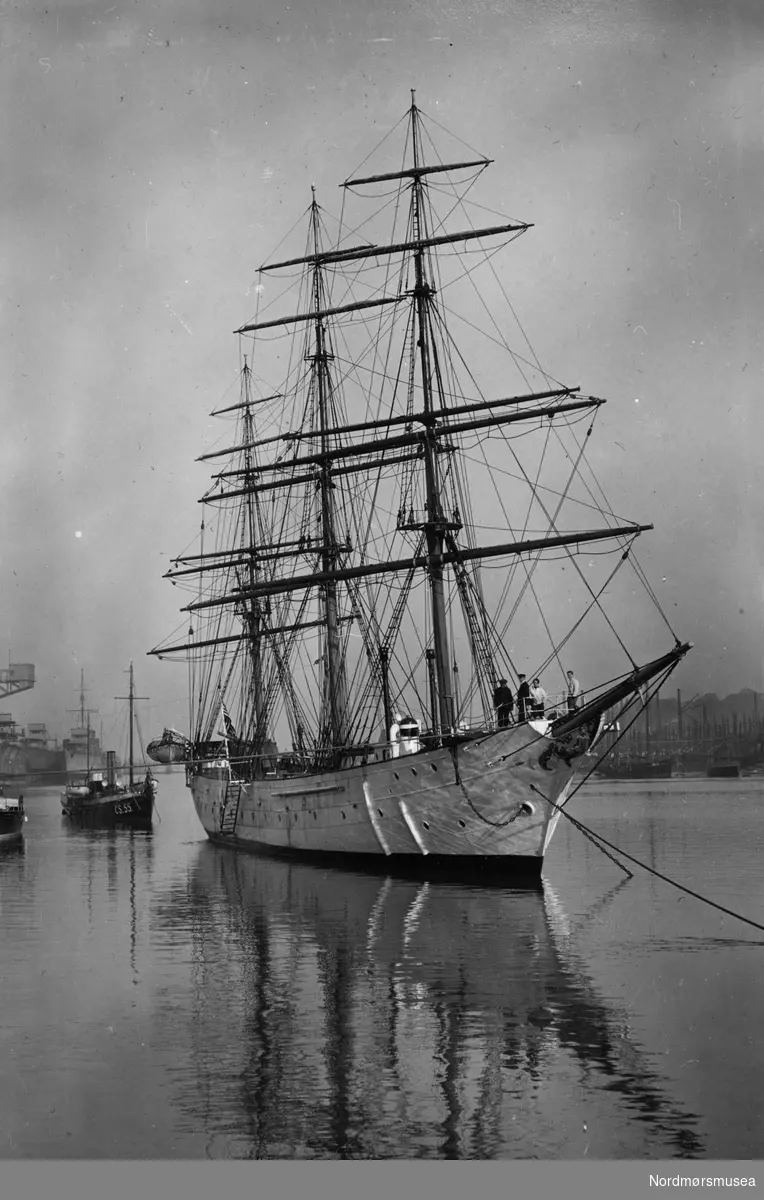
[130,748]
[335,682]
[434,525]
[254,609]
[131,698]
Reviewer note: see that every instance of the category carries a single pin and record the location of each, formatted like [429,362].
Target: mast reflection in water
[343,1015]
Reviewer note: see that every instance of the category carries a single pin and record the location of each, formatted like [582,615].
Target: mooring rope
[593,837]
[596,837]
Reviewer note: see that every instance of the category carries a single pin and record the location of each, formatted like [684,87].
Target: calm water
[162,998]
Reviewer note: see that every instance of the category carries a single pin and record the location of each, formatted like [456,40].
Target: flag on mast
[230,732]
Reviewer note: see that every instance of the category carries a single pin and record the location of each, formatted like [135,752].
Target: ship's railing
[227,759]
[219,760]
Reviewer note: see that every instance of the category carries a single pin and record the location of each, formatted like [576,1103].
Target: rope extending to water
[596,837]
[592,837]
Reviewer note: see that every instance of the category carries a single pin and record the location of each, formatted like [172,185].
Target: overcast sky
[154,153]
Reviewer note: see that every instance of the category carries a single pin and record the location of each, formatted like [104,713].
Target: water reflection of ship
[12,849]
[99,848]
[390,1018]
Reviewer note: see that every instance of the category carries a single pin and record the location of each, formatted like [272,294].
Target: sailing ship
[102,798]
[377,528]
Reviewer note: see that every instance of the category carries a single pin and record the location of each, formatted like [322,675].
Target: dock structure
[16,677]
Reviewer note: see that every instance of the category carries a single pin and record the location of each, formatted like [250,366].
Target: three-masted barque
[380,543]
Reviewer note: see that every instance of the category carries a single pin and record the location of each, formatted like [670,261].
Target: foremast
[335,683]
[434,524]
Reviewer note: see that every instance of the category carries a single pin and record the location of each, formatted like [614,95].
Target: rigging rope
[556,649]
[652,870]
[597,838]
[638,570]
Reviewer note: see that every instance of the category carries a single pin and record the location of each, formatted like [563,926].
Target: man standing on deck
[539,698]
[503,702]
[523,699]
[574,692]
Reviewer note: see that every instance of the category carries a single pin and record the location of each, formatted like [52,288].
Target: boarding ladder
[229,812]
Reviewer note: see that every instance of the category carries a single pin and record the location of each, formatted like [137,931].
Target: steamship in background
[82,748]
[28,754]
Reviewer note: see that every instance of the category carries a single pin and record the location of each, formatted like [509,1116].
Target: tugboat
[107,801]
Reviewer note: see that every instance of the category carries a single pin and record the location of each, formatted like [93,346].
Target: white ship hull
[493,798]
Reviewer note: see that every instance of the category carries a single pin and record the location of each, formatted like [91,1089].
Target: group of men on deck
[532,702]
[532,699]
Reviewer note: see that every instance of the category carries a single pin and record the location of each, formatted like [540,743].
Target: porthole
[425,825]
[413,771]
[461,822]
[396,775]
[344,815]
[434,766]
[379,810]
[315,818]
